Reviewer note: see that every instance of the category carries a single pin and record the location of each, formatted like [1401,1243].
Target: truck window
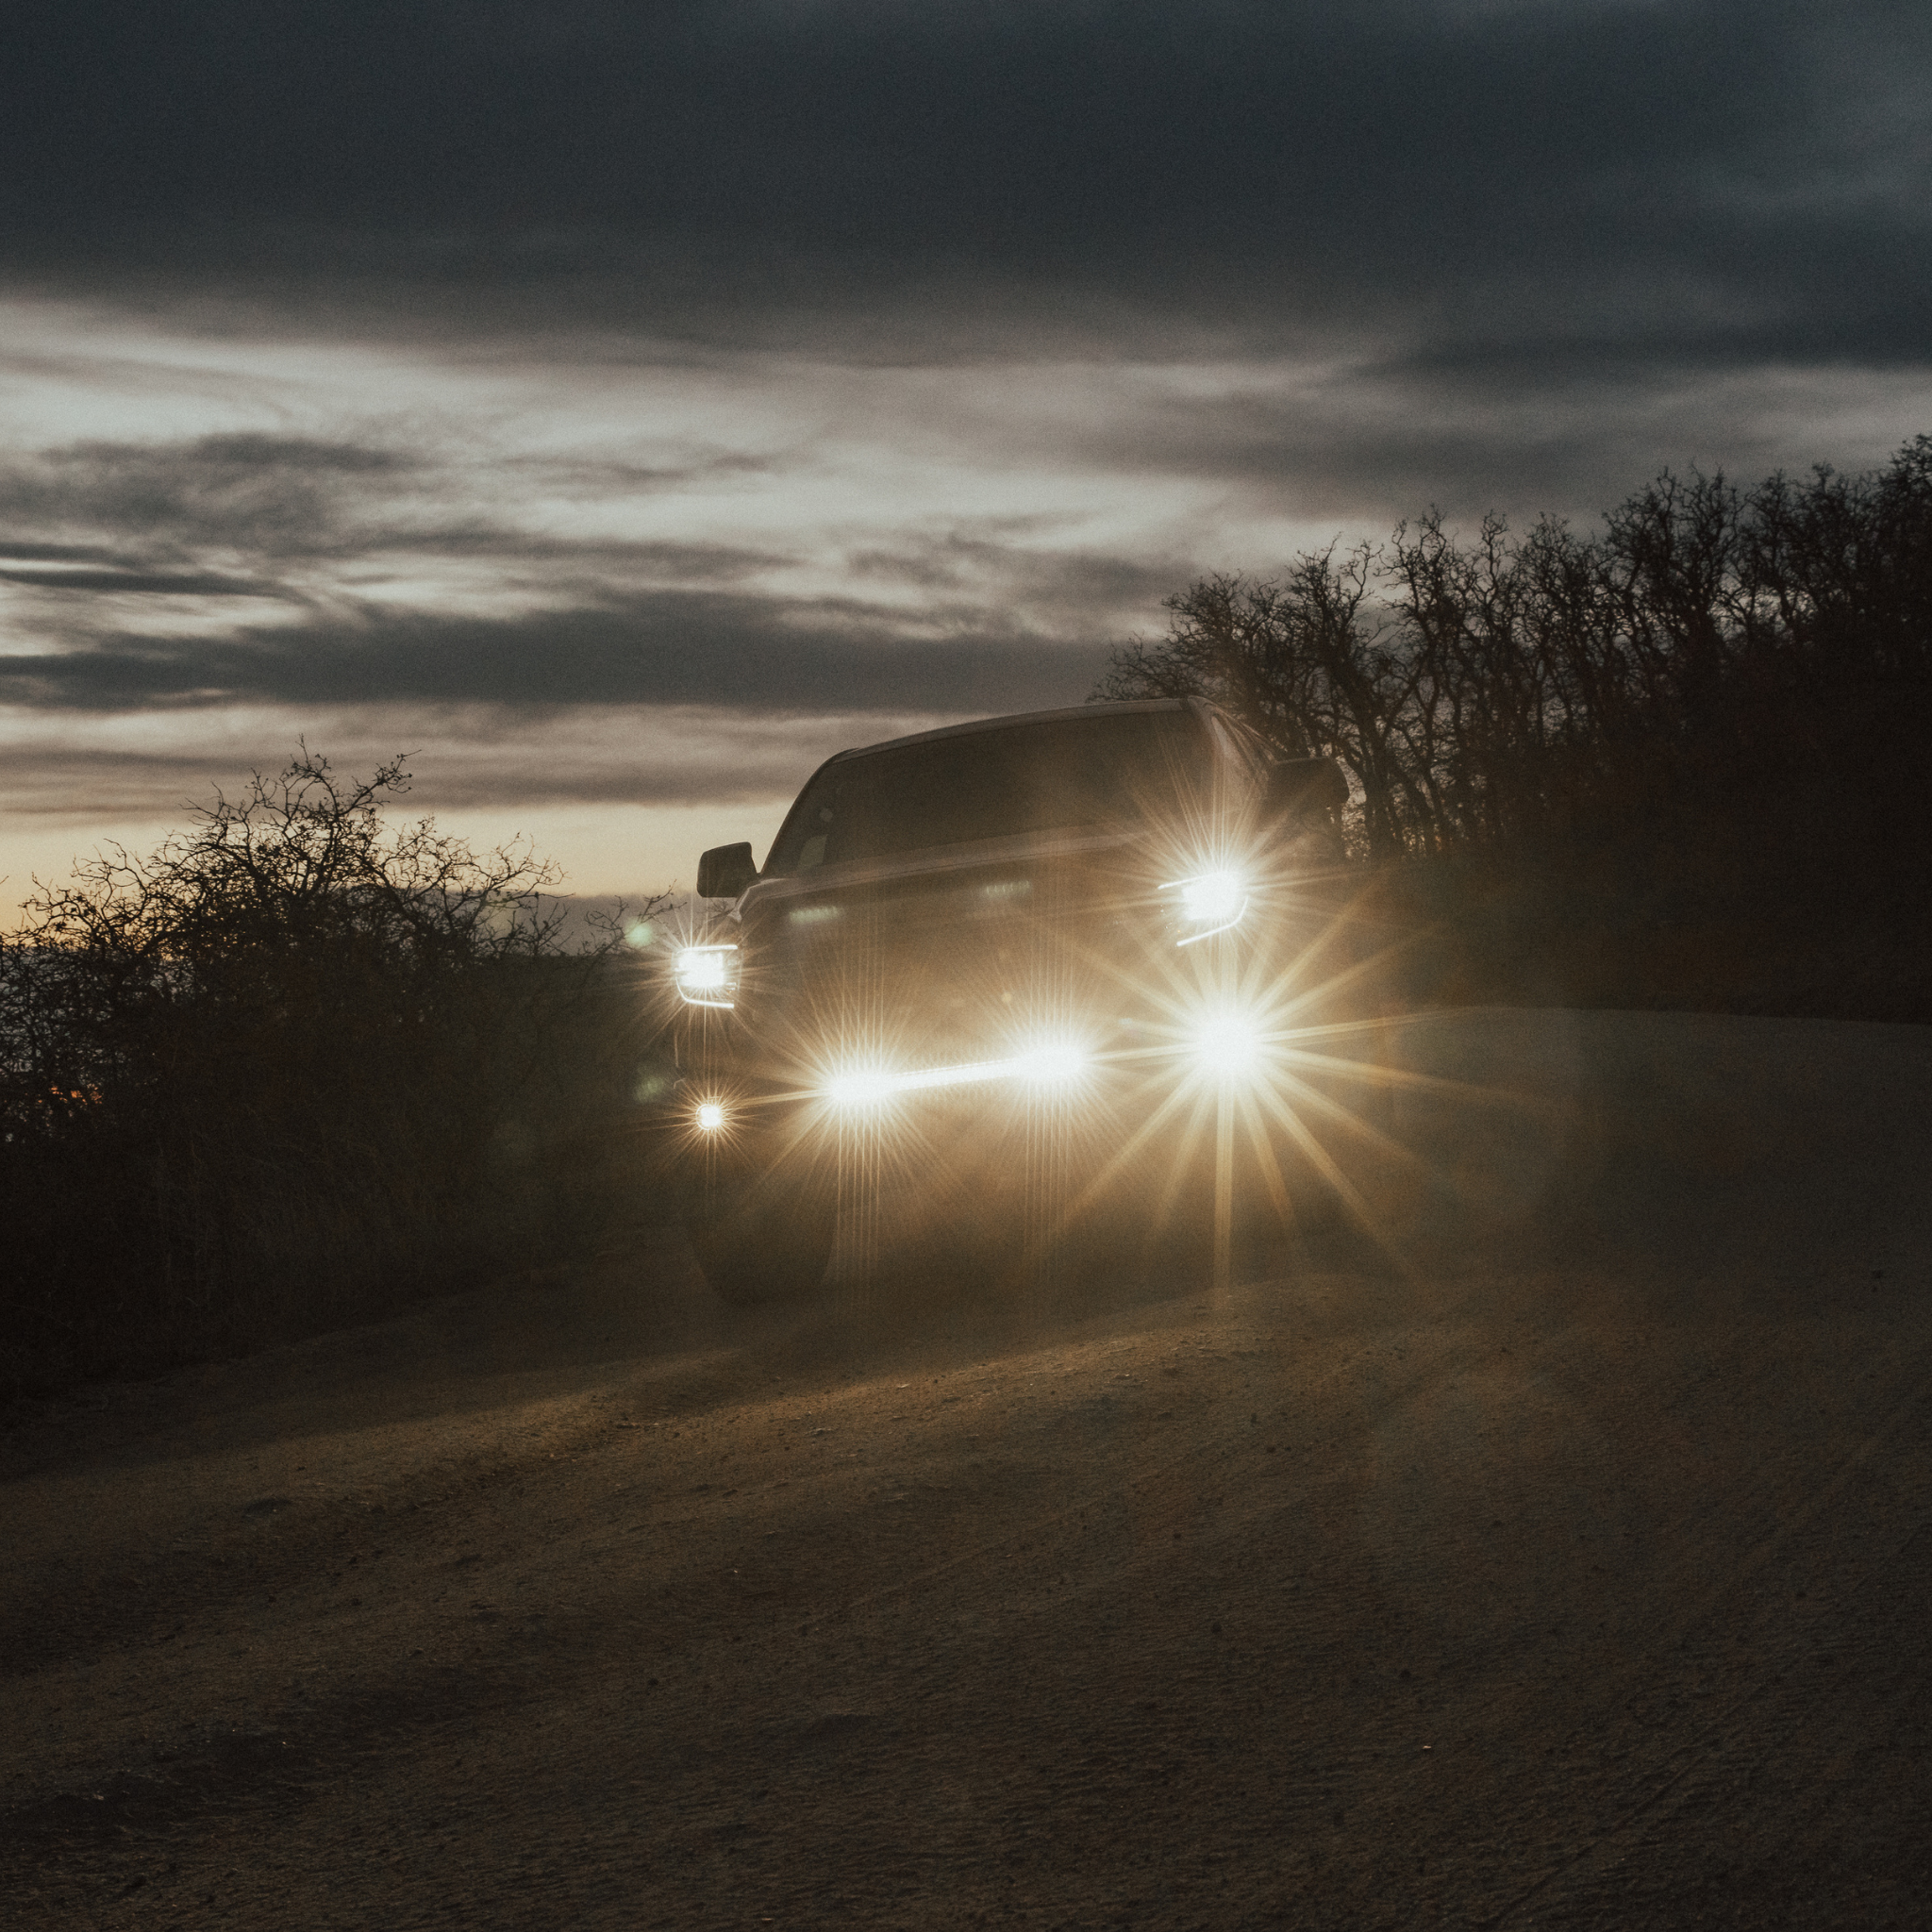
[1057,775]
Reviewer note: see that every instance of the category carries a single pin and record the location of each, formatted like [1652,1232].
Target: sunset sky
[619,407]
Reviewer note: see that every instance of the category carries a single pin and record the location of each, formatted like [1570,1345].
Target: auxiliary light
[1053,1063]
[1227,1044]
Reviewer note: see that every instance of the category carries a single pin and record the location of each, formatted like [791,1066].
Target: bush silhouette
[295,1065]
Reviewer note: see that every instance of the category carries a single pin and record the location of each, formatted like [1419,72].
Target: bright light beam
[1212,900]
[1043,1066]
[1228,1046]
[707,975]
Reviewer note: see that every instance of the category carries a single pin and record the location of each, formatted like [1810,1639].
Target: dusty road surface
[1571,1564]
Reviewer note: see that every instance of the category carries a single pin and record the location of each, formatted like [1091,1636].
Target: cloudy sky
[620,403]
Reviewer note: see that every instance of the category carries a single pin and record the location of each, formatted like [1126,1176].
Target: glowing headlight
[707,975]
[1211,902]
[1228,1046]
[710,1116]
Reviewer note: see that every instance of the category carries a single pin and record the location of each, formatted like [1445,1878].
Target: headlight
[1206,904]
[710,1116]
[708,976]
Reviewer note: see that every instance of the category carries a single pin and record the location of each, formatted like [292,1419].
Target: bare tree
[296,1058]
[1496,690]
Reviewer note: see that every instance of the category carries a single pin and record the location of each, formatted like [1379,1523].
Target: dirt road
[1569,1564]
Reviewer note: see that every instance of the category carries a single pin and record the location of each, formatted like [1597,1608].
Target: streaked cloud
[671,647]
[592,378]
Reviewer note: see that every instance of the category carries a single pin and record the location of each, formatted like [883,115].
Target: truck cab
[994,983]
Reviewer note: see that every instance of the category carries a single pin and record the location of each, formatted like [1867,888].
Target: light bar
[1042,1066]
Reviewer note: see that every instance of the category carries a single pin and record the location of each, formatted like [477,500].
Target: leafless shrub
[297,1062]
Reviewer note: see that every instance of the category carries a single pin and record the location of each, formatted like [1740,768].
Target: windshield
[1062,774]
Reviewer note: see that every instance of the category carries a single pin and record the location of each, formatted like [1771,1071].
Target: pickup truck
[1010,986]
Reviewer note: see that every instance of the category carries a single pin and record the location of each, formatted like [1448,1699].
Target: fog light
[710,1116]
[1214,896]
[1052,1066]
[1228,1046]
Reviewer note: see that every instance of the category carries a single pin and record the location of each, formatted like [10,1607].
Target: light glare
[707,975]
[1211,902]
[860,1090]
[710,1116]
[701,972]
[1049,1065]
[1228,1046]
[1052,1066]
[1212,898]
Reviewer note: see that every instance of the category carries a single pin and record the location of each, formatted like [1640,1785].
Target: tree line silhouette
[1679,758]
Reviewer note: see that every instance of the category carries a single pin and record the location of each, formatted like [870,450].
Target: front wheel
[772,1250]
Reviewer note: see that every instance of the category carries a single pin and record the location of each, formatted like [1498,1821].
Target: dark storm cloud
[499,772]
[1066,585]
[673,647]
[623,621]
[177,583]
[1469,434]
[619,557]
[1467,170]
[293,500]
[594,478]
[275,495]
[31,553]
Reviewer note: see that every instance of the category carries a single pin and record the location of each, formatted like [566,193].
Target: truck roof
[1106,710]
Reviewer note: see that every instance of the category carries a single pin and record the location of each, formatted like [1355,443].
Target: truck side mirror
[725,871]
[1299,788]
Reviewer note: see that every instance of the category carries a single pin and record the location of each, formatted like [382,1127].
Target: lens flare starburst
[1228,1044]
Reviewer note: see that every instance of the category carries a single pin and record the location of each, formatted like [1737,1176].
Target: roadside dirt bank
[1567,1561]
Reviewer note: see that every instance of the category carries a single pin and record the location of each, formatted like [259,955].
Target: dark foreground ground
[1571,1564]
